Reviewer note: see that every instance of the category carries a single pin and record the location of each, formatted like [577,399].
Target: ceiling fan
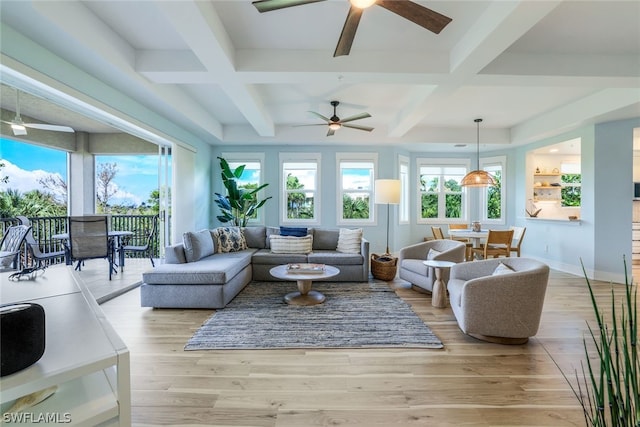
[427,18]
[334,122]
[20,128]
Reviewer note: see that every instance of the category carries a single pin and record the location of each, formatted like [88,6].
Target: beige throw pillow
[349,240]
[432,254]
[291,244]
[502,269]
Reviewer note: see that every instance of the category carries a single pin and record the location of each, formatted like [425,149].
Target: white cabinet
[83,356]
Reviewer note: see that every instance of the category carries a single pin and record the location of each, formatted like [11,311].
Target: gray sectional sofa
[196,275]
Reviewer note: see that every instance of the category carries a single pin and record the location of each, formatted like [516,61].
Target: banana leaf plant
[239,204]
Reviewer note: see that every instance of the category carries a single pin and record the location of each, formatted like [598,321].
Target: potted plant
[609,390]
[239,204]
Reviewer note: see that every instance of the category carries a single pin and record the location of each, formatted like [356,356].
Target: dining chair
[518,235]
[498,243]
[10,245]
[146,248]
[469,244]
[89,239]
[41,259]
[437,233]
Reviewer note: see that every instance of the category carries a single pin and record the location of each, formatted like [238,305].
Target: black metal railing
[44,228]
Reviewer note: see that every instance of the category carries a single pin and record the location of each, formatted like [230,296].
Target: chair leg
[151,259]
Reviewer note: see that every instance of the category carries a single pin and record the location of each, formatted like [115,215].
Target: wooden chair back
[518,235]
[498,244]
[468,254]
[437,233]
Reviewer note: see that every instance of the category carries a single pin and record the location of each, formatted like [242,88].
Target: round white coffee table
[305,295]
[439,291]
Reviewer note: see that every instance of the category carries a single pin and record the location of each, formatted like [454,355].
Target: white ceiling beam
[498,27]
[201,28]
[578,113]
[114,56]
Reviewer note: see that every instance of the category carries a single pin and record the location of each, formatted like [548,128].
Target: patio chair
[146,248]
[10,246]
[89,239]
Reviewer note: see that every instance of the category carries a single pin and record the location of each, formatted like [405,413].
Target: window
[299,180]
[440,193]
[492,198]
[355,187]
[571,181]
[252,176]
[403,208]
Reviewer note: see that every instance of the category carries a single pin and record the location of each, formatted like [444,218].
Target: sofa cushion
[349,240]
[291,244]
[293,231]
[174,254]
[266,257]
[335,258]
[271,231]
[214,269]
[325,239]
[197,245]
[255,237]
[229,239]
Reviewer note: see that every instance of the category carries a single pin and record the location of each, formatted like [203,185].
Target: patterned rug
[354,315]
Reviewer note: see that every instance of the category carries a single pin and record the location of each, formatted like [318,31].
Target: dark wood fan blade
[348,32]
[330,132]
[427,18]
[365,128]
[326,119]
[356,117]
[269,5]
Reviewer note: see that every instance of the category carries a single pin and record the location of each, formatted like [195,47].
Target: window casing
[300,188]
[403,208]
[441,197]
[571,182]
[252,176]
[355,198]
[492,198]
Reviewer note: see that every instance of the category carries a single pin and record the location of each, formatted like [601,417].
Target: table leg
[304,295]
[439,293]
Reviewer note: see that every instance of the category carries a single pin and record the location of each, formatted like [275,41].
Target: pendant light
[478,178]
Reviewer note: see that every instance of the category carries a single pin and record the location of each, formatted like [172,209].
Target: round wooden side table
[439,292]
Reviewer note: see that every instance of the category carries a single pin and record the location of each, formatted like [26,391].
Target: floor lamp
[387,191]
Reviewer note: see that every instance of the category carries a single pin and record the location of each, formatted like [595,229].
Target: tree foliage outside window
[355,207]
[355,189]
[300,204]
[441,193]
[494,197]
[571,189]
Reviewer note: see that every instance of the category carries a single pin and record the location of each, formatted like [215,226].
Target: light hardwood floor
[469,382]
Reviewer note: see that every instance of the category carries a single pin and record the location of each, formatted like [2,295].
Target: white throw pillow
[291,244]
[432,254]
[502,269]
[349,240]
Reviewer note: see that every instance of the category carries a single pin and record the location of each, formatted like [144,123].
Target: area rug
[354,315]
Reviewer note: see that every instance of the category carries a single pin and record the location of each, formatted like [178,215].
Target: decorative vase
[475,226]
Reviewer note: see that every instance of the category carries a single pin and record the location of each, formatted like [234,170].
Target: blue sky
[25,163]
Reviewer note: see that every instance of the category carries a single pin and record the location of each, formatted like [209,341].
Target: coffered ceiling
[230,74]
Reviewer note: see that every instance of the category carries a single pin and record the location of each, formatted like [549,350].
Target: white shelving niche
[84,357]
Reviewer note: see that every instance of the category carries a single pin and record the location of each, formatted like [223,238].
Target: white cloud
[20,179]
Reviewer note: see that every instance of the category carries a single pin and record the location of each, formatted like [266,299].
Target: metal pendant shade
[478,177]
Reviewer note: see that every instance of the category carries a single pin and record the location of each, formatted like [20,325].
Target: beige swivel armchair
[419,275]
[503,308]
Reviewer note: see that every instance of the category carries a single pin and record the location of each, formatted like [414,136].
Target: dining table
[474,236]
[115,239]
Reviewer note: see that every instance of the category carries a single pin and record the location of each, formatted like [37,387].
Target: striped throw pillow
[291,244]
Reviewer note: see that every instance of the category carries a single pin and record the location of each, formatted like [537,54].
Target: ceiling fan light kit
[20,128]
[334,122]
[362,4]
[478,177]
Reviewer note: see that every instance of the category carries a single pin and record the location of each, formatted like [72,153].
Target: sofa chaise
[198,274]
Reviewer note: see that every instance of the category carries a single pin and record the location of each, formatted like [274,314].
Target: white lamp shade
[387,191]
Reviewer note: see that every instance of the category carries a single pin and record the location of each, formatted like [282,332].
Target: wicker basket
[383,267]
